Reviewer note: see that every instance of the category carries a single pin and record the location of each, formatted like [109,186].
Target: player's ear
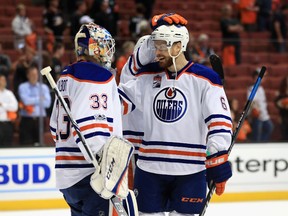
[177,46]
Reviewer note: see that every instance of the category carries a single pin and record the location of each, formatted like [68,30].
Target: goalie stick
[46,72]
[235,134]
[217,66]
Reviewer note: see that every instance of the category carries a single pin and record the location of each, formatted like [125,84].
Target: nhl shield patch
[157,81]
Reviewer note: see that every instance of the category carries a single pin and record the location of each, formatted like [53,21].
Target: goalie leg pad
[130,204]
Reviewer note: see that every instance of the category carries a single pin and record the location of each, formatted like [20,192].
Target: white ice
[265,208]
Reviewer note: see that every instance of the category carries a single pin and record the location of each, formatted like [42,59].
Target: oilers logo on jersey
[169,104]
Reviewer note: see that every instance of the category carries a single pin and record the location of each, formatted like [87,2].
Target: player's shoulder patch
[88,71]
[150,68]
[204,72]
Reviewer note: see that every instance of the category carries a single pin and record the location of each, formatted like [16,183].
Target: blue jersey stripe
[130,65]
[68,149]
[53,129]
[218,131]
[174,144]
[138,60]
[73,166]
[133,133]
[89,118]
[171,160]
[99,133]
[126,98]
[217,116]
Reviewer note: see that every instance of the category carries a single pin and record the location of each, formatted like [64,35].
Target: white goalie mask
[172,34]
[95,41]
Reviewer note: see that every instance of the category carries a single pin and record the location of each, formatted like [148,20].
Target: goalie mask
[95,41]
[172,34]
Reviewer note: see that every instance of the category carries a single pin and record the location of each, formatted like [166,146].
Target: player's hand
[218,170]
[167,19]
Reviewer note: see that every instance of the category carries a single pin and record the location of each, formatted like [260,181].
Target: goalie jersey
[91,94]
[182,117]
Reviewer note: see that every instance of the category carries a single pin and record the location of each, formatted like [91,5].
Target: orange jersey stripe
[134,62]
[213,124]
[90,126]
[87,81]
[70,158]
[174,152]
[125,105]
[135,140]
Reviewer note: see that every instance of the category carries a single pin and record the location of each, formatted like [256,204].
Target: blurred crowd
[26,99]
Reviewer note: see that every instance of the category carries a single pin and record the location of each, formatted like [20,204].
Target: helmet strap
[174,64]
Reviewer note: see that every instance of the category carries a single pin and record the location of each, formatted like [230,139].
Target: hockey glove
[167,19]
[218,170]
[113,178]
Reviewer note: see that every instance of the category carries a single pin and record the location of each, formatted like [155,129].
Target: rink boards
[27,177]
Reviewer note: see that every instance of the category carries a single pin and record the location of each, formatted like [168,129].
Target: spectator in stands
[279,27]
[54,23]
[248,14]
[148,4]
[135,21]
[282,104]
[262,126]
[5,64]
[57,66]
[106,17]
[264,14]
[8,113]
[58,53]
[21,26]
[145,29]
[85,19]
[230,28]
[246,129]
[34,99]
[21,66]
[202,50]
[81,10]
[127,49]
[191,46]
[31,39]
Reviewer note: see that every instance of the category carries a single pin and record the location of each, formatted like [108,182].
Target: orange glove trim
[220,188]
[171,19]
[212,162]
[181,19]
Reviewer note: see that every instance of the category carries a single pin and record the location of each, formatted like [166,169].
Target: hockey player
[90,92]
[185,115]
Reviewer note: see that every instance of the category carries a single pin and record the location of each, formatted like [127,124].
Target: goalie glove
[218,170]
[167,19]
[112,179]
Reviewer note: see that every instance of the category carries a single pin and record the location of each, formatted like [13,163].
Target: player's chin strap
[174,64]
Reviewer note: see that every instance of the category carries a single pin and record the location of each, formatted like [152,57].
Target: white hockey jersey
[133,121]
[181,118]
[91,93]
